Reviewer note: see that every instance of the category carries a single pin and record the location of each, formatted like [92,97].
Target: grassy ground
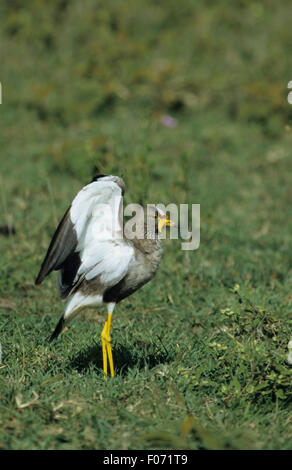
[200,353]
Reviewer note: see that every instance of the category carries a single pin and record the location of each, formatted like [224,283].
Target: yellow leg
[104,353]
[106,346]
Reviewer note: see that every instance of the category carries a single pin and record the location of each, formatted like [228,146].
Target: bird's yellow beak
[164,220]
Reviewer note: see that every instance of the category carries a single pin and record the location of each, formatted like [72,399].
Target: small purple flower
[168,121]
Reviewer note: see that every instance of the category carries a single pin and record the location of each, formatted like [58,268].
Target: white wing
[96,214]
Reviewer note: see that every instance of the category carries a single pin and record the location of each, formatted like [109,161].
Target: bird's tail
[58,329]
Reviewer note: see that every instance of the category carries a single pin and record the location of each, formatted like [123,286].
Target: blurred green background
[187,101]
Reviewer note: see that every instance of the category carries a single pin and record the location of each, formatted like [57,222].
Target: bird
[99,259]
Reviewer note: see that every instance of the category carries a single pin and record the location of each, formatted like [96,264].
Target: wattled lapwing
[100,261]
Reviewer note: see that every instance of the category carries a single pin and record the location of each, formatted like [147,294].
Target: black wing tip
[57,330]
[97,177]
[39,279]
[44,272]
[62,243]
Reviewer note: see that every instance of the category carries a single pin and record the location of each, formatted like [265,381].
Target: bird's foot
[106,347]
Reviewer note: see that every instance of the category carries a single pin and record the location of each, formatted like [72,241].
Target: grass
[201,352]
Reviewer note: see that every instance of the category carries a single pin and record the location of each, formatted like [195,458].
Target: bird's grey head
[149,222]
[156,218]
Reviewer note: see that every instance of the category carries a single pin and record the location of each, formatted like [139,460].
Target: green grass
[200,352]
